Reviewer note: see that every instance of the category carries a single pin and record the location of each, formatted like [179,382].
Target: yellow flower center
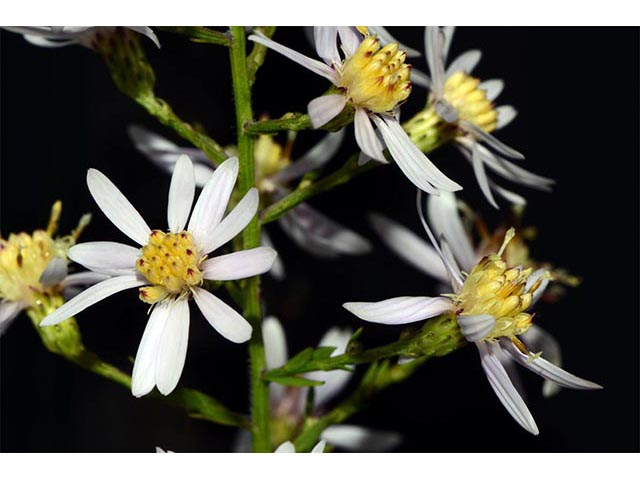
[471,102]
[376,78]
[171,263]
[23,259]
[269,158]
[494,289]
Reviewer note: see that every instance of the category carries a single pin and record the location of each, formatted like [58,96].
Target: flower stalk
[250,239]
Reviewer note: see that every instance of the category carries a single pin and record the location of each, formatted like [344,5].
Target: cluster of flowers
[494,285]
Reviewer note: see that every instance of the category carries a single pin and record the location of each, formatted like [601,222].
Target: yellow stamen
[171,263]
[376,78]
[471,102]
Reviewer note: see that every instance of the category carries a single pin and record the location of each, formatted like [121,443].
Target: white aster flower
[467,105]
[34,269]
[170,267]
[374,81]
[288,404]
[490,304]
[288,447]
[63,36]
[443,215]
[310,230]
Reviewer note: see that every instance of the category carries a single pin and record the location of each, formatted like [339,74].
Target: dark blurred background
[576,90]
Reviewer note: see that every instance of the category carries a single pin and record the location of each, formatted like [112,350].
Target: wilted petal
[181,193]
[143,378]
[90,296]
[172,348]
[420,78]
[233,223]
[546,369]
[324,109]
[475,327]
[508,195]
[319,235]
[117,208]
[229,323]
[399,310]
[314,65]
[539,340]
[504,389]
[108,258]
[409,246]
[492,141]
[241,264]
[360,439]
[481,175]
[213,201]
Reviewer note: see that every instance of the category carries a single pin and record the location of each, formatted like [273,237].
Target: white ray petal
[286,447]
[434,51]
[492,141]
[366,137]
[107,258]
[319,448]
[493,88]
[44,42]
[55,272]
[181,193]
[508,195]
[386,38]
[117,208]
[315,158]
[481,175]
[465,62]
[212,202]
[92,295]
[504,389]
[325,108]
[241,264]
[409,246]
[399,310]
[326,42]
[334,380]
[547,369]
[315,66]
[445,219]
[360,439]
[233,223]
[275,343]
[172,348]
[506,114]
[349,40]
[228,323]
[143,378]
[447,35]
[475,327]
[83,278]
[539,340]
[8,311]
[319,235]
[413,163]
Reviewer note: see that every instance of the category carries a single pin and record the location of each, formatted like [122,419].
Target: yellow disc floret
[471,102]
[171,263]
[492,288]
[270,158]
[376,78]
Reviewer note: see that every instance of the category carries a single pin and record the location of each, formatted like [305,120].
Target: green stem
[307,190]
[439,336]
[258,53]
[250,239]
[379,376]
[288,122]
[65,340]
[201,35]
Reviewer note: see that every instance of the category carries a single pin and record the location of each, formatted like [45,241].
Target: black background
[576,90]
